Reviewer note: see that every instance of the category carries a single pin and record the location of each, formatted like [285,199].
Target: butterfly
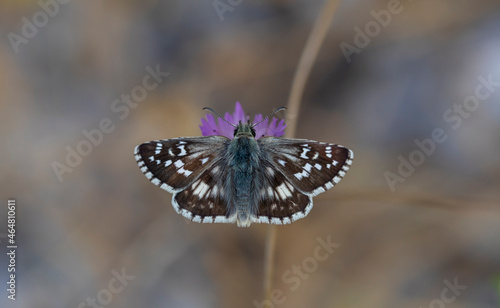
[215,179]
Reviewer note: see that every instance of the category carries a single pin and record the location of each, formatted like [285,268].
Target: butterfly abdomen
[243,162]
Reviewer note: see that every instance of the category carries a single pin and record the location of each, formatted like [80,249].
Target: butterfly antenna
[218,115]
[272,113]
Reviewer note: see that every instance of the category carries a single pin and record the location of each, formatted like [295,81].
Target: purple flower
[210,128]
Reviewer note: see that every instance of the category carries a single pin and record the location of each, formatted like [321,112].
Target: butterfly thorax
[243,161]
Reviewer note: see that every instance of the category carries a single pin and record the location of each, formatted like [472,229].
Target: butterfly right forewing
[312,167]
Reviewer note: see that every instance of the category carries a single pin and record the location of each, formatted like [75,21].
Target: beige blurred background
[399,247]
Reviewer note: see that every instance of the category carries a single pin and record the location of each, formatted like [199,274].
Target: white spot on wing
[304,152]
[270,192]
[179,163]
[215,190]
[219,219]
[168,163]
[297,216]
[275,221]
[283,191]
[196,184]
[300,175]
[317,166]
[183,151]
[263,219]
[158,148]
[308,167]
[282,162]
[204,160]
[270,171]
[186,214]
[208,219]
[201,190]
[184,171]
[197,218]
[318,191]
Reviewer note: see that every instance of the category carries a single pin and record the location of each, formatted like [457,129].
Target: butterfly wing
[208,199]
[275,198]
[191,169]
[311,167]
[173,164]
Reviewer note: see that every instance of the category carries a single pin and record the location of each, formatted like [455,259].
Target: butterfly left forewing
[173,164]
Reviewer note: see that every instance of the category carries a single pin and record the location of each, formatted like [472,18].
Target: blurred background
[406,236]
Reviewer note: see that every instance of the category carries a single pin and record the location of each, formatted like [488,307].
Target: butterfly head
[244,130]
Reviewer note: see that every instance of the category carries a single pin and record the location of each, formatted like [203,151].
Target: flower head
[210,128]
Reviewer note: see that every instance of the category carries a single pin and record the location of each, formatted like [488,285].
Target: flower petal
[260,129]
[239,114]
[209,127]
[226,129]
[280,129]
[276,129]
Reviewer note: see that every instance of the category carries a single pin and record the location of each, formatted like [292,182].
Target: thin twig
[306,62]
[269,261]
[302,73]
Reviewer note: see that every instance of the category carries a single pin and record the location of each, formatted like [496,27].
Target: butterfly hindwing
[312,167]
[277,201]
[206,200]
[173,164]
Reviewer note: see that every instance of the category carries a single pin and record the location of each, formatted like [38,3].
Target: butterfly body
[245,180]
[242,162]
